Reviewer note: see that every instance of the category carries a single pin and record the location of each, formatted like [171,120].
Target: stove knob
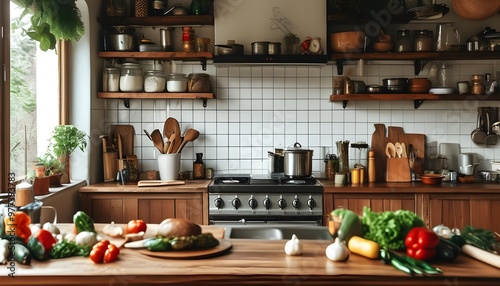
[219,203]
[282,203]
[311,203]
[252,203]
[267,203]
[296,203]
[236,203]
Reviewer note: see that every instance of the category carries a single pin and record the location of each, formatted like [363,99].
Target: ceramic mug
[463,87]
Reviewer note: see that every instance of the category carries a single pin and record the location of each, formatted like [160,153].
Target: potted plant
[53,168]
[63,141]
[52,20]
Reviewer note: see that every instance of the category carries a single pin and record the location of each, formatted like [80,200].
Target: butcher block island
[106,202]
[247,262]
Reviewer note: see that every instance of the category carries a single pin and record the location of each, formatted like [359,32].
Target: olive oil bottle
[199,167]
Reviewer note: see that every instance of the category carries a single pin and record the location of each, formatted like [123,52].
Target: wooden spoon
[191,135]
[399,150]
[157,140]
[172,139]
[170,126]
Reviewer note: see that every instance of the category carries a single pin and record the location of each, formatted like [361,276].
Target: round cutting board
[223,247]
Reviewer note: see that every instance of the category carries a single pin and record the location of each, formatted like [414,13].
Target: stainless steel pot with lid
[297,161]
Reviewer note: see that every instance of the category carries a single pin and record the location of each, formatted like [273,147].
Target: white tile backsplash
[258,109]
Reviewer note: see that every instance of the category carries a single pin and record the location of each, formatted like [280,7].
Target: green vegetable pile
[69,248]
[388,228]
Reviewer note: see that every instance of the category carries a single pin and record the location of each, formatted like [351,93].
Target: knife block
[398,170]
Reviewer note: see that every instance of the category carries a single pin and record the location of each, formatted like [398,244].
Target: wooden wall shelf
[202,20]
[126,96]
[416,98]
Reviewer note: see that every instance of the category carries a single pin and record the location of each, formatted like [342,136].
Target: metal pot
[230,49]
[260,48]
[297,161]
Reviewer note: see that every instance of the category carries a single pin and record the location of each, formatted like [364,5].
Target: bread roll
[178,227]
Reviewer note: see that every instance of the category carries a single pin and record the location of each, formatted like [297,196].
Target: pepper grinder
[198,167]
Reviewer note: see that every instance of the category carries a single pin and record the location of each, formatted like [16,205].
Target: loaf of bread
[178,227]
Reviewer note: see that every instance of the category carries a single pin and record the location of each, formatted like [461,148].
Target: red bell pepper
[421,243]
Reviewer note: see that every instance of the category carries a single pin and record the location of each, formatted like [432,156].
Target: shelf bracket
[126,102]
[204,64]
[340,66]
[204,100]
[417,103]
[344,103]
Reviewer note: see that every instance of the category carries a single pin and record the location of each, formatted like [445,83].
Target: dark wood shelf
[416,98]
[419,58]
[158,21]
[157,55]
[127,96]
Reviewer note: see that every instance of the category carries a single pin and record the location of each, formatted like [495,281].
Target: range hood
[248,21]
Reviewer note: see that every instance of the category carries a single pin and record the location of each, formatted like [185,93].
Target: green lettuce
[389,229]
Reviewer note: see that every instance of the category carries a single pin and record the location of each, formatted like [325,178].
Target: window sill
[66,187]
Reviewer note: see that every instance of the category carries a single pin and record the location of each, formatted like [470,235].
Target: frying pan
[478,136]
[492,138]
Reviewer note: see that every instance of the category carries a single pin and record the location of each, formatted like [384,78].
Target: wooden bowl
[432,179]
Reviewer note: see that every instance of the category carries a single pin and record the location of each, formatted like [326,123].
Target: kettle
[448,37]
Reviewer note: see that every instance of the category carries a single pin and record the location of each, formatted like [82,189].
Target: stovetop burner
[242,179]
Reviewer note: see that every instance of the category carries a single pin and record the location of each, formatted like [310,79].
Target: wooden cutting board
[378,145]
[158,183]
[395,134]
[127,137]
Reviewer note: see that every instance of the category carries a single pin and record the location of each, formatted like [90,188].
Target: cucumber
[350,225]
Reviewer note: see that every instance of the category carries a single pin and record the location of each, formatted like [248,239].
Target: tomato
[136,226]
[111,253]
[104,251]
[46,239]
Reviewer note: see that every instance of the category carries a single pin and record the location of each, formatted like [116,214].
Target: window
[30,96]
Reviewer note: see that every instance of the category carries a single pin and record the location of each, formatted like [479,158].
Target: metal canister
[477,86]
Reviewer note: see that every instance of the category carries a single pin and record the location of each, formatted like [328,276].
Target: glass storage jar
[154,81]
[177,82]
[198,82]
[131,78]
[422,40]
[111,79]
[403,41]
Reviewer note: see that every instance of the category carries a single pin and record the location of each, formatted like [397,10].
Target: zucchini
[349,226]
[172,243]
[20,253]
[446,250]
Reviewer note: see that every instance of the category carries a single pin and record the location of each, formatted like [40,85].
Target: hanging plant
[52,20]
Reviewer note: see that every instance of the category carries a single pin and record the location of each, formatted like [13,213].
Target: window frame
[63,75]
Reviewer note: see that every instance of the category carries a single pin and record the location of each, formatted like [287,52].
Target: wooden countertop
[412,187]
[190,186]
[249,262]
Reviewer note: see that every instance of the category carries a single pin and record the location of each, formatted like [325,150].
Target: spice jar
[403,41]
[199,167]
[154,81]
[177,82]
[131,78]
[422,40]
[202,44]
[198,82]
[111,79]
[187,43]
[477,84]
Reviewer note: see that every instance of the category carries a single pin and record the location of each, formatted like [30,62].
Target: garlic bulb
[293,246]
[112,230]
[337,251]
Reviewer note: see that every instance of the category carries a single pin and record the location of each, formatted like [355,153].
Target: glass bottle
[129,173]
[490,84]
[198,167]
[201,7]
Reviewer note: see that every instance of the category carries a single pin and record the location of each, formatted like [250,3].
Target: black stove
[243,197]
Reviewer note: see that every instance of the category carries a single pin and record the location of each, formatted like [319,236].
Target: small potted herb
[63,141]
